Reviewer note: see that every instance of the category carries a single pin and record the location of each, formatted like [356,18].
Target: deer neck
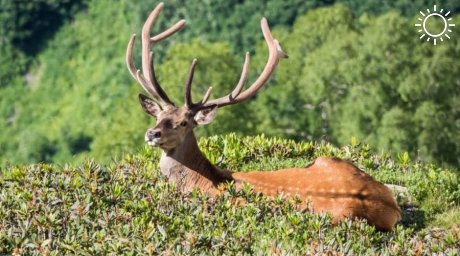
[189,168]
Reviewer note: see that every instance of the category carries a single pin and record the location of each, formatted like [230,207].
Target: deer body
[332,186]
[328,185]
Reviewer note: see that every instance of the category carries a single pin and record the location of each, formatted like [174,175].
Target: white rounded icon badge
[430,34]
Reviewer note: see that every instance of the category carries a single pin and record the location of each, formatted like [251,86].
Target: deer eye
[167,124]
[183,123]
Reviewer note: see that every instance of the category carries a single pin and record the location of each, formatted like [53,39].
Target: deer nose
[153,134]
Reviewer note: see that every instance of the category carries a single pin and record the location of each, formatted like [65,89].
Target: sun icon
[439,16]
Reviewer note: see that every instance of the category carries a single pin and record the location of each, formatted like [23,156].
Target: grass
[128,208]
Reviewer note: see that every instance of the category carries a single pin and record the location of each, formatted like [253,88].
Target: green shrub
[128,207]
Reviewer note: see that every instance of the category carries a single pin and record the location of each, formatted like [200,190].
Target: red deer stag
[328,185]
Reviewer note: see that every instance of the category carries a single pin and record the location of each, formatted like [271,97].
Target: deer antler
[147,78]
[275,53]
[148,81]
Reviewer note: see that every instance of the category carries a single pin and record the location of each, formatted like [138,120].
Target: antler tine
[206,95]
[243,78]
[147,57]
[129,57]
[188,90]
[236,91]
[167,33]
[274,56]
[188,85]
[148,79]
[136,73]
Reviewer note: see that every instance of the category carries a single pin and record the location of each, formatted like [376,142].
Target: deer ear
[150,107]
[205,116]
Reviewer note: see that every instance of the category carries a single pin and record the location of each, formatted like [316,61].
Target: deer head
[174,123]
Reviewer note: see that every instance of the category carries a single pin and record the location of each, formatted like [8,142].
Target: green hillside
[127,207]
[355,70]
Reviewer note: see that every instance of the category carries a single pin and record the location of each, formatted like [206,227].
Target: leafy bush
[128,208]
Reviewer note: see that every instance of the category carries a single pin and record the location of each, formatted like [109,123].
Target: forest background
[357,71]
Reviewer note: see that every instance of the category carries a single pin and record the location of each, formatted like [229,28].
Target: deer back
[330,185]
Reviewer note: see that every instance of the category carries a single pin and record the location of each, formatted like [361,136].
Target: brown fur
[327,185]
[331,185]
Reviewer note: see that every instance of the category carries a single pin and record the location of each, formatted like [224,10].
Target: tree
[350,73]
[370,78]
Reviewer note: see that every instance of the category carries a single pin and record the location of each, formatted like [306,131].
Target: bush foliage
[127,207]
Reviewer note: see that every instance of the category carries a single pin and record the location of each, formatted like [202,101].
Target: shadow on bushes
[413,217]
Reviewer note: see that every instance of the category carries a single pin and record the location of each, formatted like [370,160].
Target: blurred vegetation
[29,24]
[356,69]
[127,207]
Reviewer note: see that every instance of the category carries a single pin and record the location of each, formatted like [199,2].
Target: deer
[328,185]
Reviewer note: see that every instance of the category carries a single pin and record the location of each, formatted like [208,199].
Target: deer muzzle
[153,137]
